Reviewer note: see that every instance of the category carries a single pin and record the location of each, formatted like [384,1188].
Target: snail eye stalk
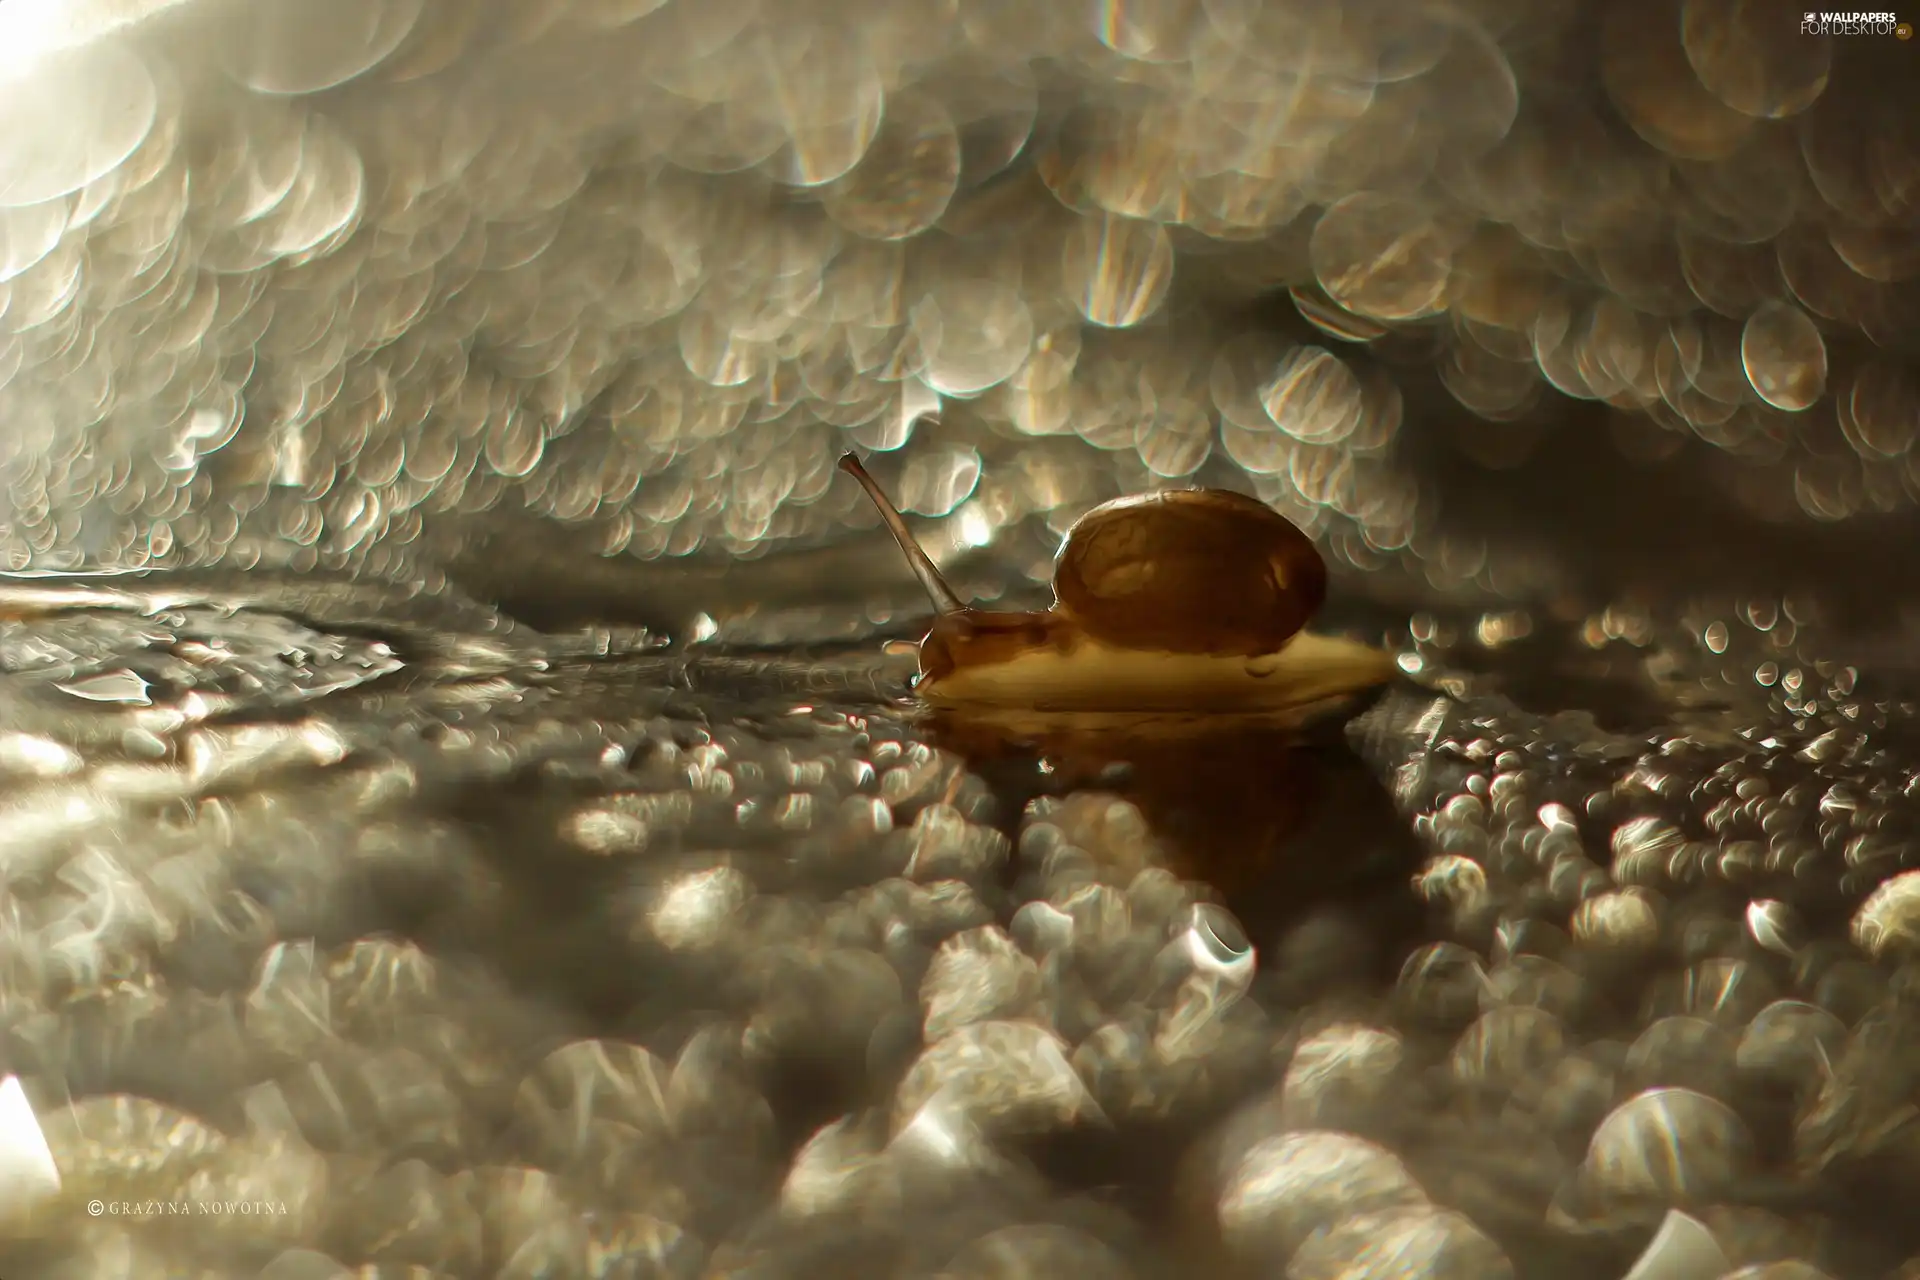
[923,567]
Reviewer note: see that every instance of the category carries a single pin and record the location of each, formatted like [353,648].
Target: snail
[1179,601]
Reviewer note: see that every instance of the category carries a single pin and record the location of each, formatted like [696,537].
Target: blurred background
[459,812]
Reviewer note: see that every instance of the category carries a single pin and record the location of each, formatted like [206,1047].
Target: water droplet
[1682,1249]
[121,686]
[1756,61]
[1314,397]
[1217,944]
[1117,270]
[1774,925]
[72,118]
[1889,920]
[1784,356]
[1666,1145]
[292,47]
[1383,256]
[908,176]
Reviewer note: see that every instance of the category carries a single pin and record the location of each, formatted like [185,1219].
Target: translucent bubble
[1682,1247]
[1880,413]
[1314,397]
[1177,442]
[908,176]
[1534,982]
[1442,982]
[1888,922]
[1460,883]
[827,95]
[1753,59]
[715,353]
[1339,1076]
[71,119]
[28,234]
[1383,256]
[1036,1252]
[1147,30]
[993,105]
[936,481]
[1784,356]
[1474,88]
[1508,1045]
[1623,921]
[1242,367]
[28,1174]
[1401,1244]
[608,14]
[1646,73]
[1886,254]
[1644,850]
[303,1264]
[291,47]
[1217,946]
[587,1097]
[122,686]
[1775,925]
[324,199]
[1665,1146]
[1282,1189]
[1727,989]
[1332,319]
[690,35]
[1117,270]
[1791,1040]
[1688,1053]
[1492,387]
[1014,1076]
[974,333]
[697,909]
[977,976]
[724,137]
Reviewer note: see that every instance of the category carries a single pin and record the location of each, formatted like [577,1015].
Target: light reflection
[640,270]
[454,231]
[28,1175]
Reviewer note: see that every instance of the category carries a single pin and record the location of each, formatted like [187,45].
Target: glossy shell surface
[1202,571]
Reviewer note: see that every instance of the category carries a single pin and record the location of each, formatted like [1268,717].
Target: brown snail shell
[1190,571]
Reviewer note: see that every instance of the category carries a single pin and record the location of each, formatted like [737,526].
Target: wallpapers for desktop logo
[1854,24]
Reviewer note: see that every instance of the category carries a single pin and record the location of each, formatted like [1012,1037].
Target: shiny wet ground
[453,945]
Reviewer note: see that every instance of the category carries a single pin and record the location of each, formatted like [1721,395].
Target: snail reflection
[1229,805]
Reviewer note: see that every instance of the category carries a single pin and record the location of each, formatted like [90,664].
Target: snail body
[1188,600]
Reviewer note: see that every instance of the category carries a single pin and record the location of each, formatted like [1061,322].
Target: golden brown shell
[1204,571]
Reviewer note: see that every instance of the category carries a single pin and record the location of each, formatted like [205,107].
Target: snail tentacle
[923,567]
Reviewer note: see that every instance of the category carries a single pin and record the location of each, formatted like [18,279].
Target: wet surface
[1569,963]
[461,809]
